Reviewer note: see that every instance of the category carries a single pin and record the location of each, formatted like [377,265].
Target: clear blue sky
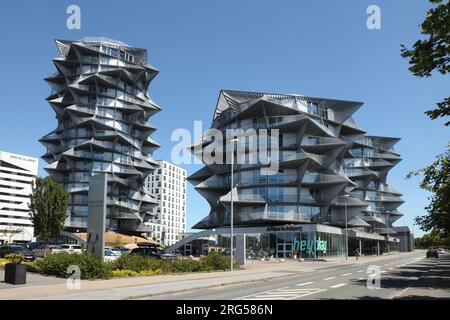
[317,48]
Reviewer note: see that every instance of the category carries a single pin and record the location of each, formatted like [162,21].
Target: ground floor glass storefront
[294,245]
[308,241]
[288,242]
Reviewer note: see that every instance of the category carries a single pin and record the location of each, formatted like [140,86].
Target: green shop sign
[310,246]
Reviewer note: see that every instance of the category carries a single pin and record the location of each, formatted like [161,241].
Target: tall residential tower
[330,175]
[100,97]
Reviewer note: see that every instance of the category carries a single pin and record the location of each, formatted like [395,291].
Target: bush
[137,263]
[217,261]
[91,267]
[124,273]
[140,264]
[14,257]
[3,262]
[131,273]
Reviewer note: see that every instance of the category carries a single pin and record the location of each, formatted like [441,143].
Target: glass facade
[291,244]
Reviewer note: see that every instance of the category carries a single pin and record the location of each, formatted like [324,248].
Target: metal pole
[346,233]
[232,217]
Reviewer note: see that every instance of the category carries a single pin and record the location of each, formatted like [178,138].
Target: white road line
[330,278]
[259,293]
[304,283]
[282,294]
[294,290]
[360,271]
[345,274]
[391,268]
[338,285]
[307,294]
[361,279]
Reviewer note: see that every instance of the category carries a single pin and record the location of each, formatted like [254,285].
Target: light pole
[232,207]
[346,229]
[387,231]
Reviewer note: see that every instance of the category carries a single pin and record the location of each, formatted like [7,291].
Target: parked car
[110,255]
[441,251]
[39,252]
[168,256]
[16,249]
[432,253]
[71,248]
[146,251]
[120,250]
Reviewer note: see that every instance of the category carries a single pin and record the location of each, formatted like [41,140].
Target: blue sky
[316,48]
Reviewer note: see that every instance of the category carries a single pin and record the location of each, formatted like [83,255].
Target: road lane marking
[338,285]
[307,294]
[360,271]
[391,268]
[258,293]
[284,293]
[361,279]
[330,278]
[305,283]
[345,274]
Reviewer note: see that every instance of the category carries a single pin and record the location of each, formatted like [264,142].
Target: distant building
[17,174]
[168,184]
[406,239]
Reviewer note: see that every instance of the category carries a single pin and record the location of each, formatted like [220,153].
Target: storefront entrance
[284,250]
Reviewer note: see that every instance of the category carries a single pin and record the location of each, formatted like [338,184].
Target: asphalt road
[397,277]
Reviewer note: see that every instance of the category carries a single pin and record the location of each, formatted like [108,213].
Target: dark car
[432,253]
[147,251]
[15,249]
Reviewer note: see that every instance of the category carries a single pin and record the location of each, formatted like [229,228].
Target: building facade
[406,238]
[100,97]
[17,174]
[328,173]
[168,183]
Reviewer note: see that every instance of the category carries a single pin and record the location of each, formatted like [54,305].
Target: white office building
[168,184]
[17,174]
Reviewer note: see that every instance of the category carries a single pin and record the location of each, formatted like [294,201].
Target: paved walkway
[124,288]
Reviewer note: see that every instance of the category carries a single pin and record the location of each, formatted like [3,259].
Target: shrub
[124,273]
[137,263]
[3,262]
[216,261]
[14,257]
[91,267]
[182,265]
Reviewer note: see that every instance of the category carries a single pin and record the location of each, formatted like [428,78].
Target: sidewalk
[123,288]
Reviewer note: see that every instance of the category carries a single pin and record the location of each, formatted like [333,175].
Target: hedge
[92,267]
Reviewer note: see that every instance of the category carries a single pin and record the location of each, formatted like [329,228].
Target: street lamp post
[232,207]
[346,229]
[387,232]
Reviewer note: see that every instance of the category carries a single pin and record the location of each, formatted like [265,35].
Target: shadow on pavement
[424,274]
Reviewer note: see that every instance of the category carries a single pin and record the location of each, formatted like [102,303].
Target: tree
[433,53]
[48,206]
[432,240]
[436,179]
[428,55]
